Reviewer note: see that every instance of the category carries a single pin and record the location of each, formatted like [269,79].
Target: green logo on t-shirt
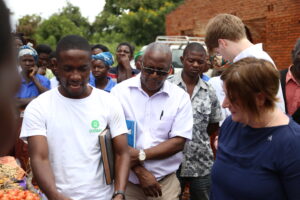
[95,123]
[95,127]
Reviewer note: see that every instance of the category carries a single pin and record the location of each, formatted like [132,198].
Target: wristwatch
[117,193]
[142,155]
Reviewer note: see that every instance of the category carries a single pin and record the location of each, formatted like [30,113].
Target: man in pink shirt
[290,82]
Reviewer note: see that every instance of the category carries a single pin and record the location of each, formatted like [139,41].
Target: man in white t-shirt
[62,128]
[164,118]
[226,35]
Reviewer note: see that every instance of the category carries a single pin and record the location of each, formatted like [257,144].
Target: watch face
[142,156]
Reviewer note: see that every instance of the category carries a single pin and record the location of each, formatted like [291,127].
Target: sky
[45,8]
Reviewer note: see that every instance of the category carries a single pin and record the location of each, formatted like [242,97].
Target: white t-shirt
[253,51]
[53,82]
[164,115]
[72,127]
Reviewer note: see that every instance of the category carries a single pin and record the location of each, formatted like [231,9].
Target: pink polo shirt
[292,91]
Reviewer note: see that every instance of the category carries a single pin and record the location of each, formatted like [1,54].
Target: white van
[177,45]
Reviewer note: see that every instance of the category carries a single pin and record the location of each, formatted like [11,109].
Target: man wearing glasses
[163,114]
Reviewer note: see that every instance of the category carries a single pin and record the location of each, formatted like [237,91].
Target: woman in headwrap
[100,65]
[32,84]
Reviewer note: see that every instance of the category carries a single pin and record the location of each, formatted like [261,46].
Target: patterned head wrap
[27,50]
[106,57]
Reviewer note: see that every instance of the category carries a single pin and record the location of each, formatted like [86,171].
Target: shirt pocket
[163,127]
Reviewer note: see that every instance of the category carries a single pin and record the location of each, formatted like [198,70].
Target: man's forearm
[138,169]
[165,149]
[122,163]
[43,174]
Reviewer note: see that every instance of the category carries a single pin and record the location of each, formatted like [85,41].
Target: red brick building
[275,23]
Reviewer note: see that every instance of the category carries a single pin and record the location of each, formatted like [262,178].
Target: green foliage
[68,21]
[119,6]
[134,21]
[53,29]
[138,21]
[73,13]
[143,26]
[28,24]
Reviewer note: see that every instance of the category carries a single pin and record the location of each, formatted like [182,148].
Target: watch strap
[119,192]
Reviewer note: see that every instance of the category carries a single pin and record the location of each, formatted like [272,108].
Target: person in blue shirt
[32,84]
[100,65]
[258,154]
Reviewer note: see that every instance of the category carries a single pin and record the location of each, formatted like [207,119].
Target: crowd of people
[67,97]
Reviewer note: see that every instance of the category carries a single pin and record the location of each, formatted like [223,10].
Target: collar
[177,79]
[290,77]
[136,83]
[246,52]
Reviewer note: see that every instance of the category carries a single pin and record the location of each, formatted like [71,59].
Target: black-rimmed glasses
[150,70]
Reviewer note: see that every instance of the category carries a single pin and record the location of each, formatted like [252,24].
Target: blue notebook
[131,135]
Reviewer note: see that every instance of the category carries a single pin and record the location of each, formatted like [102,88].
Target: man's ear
[222,43]
[181,59]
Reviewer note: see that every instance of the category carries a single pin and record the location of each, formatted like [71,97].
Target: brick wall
[275,23]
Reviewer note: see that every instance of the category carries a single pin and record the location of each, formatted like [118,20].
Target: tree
[68,21]
[53,29]
[144,25]
[117,7]
[28,24]
[134,21]
[138,21]
[73,13]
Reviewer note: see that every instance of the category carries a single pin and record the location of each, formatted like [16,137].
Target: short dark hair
[5,33]
[194,46]
[20,36]
[100,46]
[43,48]
[131,48]
[52,55]
[72,42]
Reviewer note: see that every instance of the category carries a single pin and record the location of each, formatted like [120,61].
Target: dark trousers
[199,186]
